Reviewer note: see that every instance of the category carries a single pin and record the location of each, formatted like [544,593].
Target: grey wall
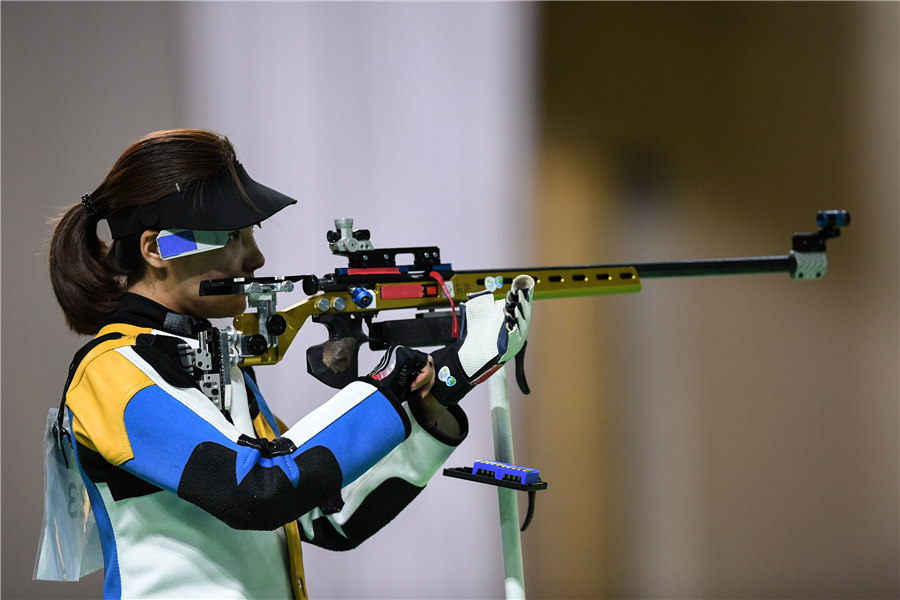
[415,119]
[79,81]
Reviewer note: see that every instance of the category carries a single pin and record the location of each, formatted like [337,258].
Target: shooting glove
[397,371]
[492,332]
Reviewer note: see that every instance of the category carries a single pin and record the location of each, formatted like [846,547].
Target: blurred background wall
[718,437]
[706,438]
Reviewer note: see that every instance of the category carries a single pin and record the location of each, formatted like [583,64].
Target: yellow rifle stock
[374,283]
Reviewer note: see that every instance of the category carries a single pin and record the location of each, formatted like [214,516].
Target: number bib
[70,545]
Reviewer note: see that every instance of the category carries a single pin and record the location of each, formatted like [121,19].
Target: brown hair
[88,275]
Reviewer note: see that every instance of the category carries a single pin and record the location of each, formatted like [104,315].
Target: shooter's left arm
[493,332]
[376,497]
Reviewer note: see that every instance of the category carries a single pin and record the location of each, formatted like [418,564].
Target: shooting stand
[513,570]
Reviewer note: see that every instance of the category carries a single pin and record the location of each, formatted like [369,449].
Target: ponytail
[88,275]
[88,279]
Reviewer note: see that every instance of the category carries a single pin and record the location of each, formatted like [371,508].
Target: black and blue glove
[397,371]
[492,333]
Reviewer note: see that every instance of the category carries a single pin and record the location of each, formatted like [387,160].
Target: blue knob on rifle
[833,218]
[361,297]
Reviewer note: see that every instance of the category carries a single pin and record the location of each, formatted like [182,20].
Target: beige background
[706,438]
[727,437]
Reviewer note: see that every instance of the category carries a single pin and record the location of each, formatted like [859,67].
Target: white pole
[509,509]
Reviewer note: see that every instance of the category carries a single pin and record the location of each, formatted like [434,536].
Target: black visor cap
[215,204]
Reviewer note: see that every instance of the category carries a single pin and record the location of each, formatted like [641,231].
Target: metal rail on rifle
[374,282]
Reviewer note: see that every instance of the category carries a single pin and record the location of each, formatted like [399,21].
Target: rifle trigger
[520,370]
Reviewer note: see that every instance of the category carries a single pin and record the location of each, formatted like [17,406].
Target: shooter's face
[240,257]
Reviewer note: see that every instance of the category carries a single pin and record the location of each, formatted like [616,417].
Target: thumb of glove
[518,314]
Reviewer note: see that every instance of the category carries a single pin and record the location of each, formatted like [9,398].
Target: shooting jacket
[190,500]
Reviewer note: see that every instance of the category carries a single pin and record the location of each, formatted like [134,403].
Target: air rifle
[374,282]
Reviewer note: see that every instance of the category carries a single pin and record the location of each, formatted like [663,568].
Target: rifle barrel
[681,268]
[719,266]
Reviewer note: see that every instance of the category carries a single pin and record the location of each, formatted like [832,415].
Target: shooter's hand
[425,380]
[492,332]
[403,371]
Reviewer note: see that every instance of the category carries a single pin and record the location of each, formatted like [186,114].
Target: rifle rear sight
[357,247]
[343,240]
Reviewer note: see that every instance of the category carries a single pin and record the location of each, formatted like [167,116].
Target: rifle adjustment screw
[339,303]
[323,304]
[253,345]
[362,297]
[276,325]
[310,284]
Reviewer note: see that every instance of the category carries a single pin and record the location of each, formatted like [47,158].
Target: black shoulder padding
[163,353]
[265,499]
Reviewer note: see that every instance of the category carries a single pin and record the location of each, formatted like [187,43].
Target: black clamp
[523,479]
